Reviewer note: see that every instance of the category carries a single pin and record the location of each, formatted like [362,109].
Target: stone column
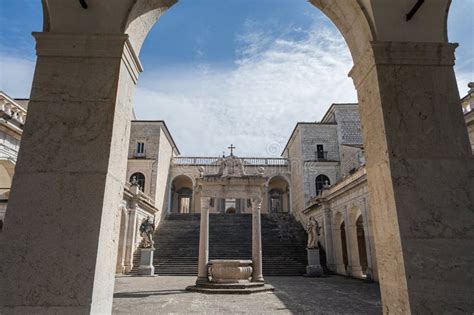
[257,275]
[204,240]
[122,245]
[420,176]
[329,244]
[337,250]
[131,231]
[58,248]
[368,242]
[353,244]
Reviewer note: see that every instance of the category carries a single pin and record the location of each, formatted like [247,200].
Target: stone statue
[313,230]
[146,232]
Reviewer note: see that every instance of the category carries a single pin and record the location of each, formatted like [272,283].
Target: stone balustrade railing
[10,109]
[252,161]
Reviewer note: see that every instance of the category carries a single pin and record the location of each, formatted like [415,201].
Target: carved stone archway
[84,80]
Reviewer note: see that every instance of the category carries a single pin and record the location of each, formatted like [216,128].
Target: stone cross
[231,148]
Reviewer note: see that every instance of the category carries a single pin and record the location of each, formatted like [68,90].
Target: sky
[235,71]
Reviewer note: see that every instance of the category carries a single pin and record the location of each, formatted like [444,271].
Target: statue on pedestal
[313,229]
[146,232]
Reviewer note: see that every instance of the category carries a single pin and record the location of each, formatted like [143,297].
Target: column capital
[205,203]
[402,53]
[89,46]
[256,201]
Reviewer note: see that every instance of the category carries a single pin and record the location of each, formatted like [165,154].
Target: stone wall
[348,124]
[313,134]
[345,202]
[293,153]
[470,127]
[312,169]
[162,171]
[351,159]
[147,132]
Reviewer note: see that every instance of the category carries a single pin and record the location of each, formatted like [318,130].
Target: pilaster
[419,170]
[69,177]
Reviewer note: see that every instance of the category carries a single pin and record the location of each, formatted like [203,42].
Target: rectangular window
[140,148]
[320,152]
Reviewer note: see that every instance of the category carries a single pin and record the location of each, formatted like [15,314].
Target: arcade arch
[278,195]
[392,57]
[181,194]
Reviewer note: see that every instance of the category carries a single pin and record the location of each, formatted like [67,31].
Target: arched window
[321,182]
[140,178]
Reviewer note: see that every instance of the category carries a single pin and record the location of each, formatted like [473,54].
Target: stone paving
[292,295]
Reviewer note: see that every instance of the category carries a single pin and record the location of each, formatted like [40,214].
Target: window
[320,154]
[321,182]
[140,180]
[140,148]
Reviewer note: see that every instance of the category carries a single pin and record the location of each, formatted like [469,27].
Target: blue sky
[240,71]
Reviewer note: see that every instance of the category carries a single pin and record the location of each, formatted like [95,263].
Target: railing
[252,161]
[321,155]
[9,108]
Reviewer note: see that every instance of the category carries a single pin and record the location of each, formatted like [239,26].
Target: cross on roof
[231,148]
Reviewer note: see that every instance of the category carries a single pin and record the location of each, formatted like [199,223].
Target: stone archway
[85,76]
[181,195]
[278,195]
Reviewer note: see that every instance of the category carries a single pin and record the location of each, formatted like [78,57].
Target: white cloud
[16,75]
[276,81]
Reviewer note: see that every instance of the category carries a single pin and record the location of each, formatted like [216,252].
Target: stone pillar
[353,252]
[257,275]
[204,240]
[122,245]
[328,239]
[368,233]
[58,248]
[131,231]
[420,175]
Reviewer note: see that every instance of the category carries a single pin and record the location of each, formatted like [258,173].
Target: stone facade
[12,120]
[332,147]
[184,171]
[467,103]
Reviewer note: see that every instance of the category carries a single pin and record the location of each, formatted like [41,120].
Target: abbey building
[320,174]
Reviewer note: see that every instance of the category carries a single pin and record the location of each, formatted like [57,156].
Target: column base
[201,280]
[230,288]
[258,279]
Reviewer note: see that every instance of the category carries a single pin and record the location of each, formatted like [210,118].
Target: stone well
[230,271]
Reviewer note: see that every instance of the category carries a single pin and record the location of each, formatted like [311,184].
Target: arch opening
[278,195]
[182,195]
[361,245]
[321,182]
[345,258]
[138,178]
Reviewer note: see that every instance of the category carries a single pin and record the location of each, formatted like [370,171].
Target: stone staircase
[230,237]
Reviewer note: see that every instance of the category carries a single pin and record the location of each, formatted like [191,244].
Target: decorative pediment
[231,166]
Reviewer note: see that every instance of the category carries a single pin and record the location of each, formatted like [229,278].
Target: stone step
[230,237]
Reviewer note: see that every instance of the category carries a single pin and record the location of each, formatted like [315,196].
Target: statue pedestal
[146,267]
[314,268]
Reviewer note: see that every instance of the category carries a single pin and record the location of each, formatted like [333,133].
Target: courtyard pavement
[292,295]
